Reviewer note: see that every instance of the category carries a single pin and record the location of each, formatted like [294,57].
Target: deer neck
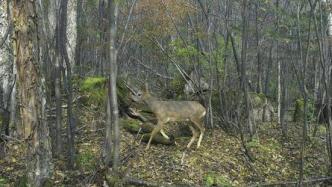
[151,102]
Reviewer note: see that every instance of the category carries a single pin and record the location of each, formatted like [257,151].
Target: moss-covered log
[158,139]
[135,126]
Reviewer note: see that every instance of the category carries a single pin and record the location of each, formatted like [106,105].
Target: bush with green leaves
[299,110]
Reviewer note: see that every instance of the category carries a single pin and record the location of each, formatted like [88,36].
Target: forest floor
[220,161]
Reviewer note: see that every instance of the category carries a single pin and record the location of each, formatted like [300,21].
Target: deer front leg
[200,137]
[193,130]
[153,133]
[200,126]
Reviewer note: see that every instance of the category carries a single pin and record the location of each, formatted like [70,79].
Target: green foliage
[213,179]
[219,53]
[177,85]
[22,181]
[94,88]
[321,129]
[269,147]
[3,181]
[183,51]
[299,110]
[86,160]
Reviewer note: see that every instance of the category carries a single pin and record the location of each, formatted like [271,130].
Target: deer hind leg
[164,134]
[153,133]
[195,134]
[199,124]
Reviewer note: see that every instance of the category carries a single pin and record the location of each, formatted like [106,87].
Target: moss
[263,150]
[3,181]
[130,125]
[94,88]
[91,83]
[48,183]
[86,160]
[254,143]
[213,179]
[22,181]
[257,99]
[114,180]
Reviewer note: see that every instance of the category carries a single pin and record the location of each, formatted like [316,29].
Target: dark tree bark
[31,89]
[258,54]
[244,78]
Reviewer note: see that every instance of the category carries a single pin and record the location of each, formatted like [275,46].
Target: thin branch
[151,69]
[286,183]
[127,23]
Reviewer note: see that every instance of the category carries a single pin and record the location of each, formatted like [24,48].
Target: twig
[152,70]
[3,136]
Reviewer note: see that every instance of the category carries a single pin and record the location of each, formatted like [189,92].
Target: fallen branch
[138,182]
[286,183]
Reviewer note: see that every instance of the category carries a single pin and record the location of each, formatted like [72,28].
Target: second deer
[174,111]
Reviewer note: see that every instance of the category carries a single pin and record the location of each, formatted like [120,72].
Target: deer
[173,111]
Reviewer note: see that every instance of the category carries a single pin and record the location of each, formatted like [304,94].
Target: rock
[262,109]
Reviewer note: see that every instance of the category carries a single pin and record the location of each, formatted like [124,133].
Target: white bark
[329,24]
[6,59]
[279,92]
[71,31]
[4,54]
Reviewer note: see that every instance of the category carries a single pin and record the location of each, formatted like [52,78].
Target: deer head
[141,96]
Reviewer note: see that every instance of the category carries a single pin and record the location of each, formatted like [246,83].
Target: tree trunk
[32,96]
[259,63]
[79,39]
[67,83]
[113,120]
[244,78]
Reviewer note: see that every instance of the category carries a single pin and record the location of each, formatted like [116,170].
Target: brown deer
[174,111]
